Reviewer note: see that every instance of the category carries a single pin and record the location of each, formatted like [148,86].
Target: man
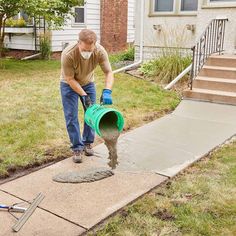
[78,62]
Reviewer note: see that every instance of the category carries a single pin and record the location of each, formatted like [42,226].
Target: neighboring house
[113,22]
[179,23]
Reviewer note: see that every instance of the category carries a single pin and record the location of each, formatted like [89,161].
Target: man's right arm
[69,75]
[75,85]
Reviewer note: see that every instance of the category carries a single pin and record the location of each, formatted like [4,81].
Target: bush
[166,67]
[127,55]
[9,22]
[45,45]
[21,22]
[15,23]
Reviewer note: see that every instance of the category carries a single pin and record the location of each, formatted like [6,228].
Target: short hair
[87,36]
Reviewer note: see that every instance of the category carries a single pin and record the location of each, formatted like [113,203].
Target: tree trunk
[2,35]
[1,18]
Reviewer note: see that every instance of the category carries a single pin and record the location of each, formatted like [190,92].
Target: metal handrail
[211,41]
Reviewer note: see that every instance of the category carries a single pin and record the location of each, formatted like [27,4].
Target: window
[79,15]
[189,5]
[222,0]
[164,5]
[218,3]
[173,7]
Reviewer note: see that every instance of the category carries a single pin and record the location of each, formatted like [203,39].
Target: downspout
[140,43]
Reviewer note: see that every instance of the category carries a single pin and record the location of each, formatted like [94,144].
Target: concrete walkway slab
[147,154]
[40,223]
[170,144]
[221,113]
[85,204]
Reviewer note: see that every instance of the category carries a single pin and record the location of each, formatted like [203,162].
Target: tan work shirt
[74,65]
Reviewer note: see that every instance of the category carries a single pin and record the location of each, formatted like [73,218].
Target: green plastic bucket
[98,115]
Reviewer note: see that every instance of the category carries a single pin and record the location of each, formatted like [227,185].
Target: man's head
[87,40]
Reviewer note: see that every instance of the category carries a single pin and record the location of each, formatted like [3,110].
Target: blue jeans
[70,106]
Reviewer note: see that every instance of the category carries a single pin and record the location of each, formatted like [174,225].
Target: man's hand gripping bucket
[99,116]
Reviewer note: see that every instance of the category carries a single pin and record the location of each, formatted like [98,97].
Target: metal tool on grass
[27,212]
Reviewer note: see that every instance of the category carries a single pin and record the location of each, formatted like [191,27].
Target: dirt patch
[19,54]
[56,56]
[164,215]
[50,157]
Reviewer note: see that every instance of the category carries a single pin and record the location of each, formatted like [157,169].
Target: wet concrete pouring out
[110,134]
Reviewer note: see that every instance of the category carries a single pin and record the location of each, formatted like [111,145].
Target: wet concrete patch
[110,134]
[84,176]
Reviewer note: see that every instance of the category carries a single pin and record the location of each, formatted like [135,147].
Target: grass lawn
[32,127]
[200,201]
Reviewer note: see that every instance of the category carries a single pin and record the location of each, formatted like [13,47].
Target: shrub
[166,67]
[128,54]
[9,22]
[20,22]
[15,23]
[45,45]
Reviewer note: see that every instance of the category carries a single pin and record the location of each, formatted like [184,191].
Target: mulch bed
[19,54]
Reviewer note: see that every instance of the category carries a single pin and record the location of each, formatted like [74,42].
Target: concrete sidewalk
[148,156]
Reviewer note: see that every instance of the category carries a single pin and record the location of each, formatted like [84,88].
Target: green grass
[200,201]
[32,127]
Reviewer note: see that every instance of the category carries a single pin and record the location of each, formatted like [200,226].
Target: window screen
[79,15]
[164,5]
[189,5]
[222,0]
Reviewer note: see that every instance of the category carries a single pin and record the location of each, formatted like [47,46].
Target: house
[205,29]
[113,22]
[179,23]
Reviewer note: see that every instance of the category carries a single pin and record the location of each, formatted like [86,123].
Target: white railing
[181,75]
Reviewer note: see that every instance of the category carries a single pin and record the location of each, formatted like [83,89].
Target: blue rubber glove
[106,98]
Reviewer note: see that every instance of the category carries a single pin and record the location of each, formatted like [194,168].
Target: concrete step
[211,96]
[218,72]
[211,83]
[222,60]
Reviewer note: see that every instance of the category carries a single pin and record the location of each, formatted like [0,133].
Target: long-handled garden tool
[27,212]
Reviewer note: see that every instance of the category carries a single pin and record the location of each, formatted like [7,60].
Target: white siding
[130,26]
[70,32]
[20,41]
[153,40]
[60,37]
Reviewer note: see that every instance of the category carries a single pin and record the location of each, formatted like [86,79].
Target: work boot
[88,150]
[77,156]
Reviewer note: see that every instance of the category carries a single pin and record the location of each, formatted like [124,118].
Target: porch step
[211,83]
[222,60]
[218,72]
[211,96]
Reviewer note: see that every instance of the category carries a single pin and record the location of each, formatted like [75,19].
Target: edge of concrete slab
[187,164]
[101,223]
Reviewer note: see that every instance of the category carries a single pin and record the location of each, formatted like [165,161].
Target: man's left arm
[109,80]
[106,97]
